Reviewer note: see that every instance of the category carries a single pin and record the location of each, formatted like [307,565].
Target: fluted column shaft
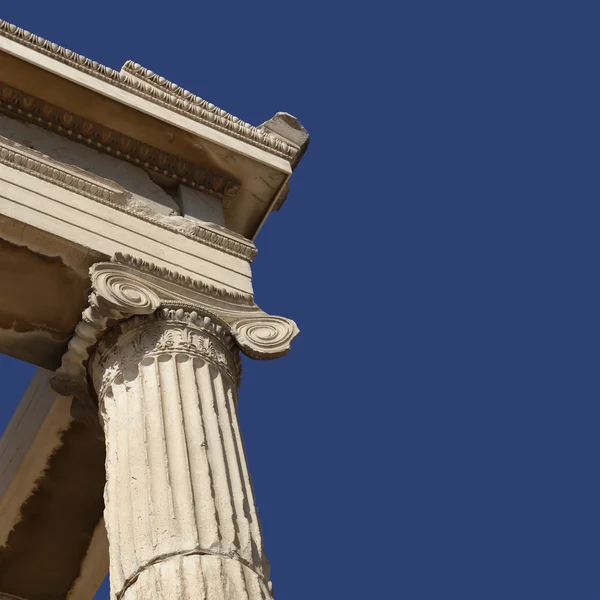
[180,510]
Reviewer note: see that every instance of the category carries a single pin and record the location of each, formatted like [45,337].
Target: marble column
[180,511]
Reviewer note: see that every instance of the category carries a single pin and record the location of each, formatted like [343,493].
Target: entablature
[176,134]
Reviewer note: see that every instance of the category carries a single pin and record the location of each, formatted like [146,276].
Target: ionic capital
[165,331]
[127,287]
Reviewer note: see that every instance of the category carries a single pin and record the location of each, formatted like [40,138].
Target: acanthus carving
[146,84]
[128,286]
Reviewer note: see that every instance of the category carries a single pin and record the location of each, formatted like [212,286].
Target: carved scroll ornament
[126,287]
[144,83]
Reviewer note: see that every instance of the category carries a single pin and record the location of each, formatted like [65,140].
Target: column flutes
[180,510]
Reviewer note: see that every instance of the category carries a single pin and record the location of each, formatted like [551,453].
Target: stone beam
[115,111]
[52,539]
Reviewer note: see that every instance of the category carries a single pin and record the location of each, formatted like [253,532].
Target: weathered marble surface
[179,501]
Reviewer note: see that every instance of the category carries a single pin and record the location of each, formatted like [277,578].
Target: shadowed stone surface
[33,301]
[58,521]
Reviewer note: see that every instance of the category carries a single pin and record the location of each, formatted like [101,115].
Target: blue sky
[434,432]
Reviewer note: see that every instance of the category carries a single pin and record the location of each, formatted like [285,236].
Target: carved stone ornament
[104,191]
[16,103]
[127,286]
[144,83]
[168,330]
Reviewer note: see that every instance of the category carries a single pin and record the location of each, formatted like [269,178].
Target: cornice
[15,102]
[128,287]
[146,84]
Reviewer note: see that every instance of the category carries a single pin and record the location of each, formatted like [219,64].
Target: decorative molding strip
[146,84]
[119,145]
[223,239]
[129,286]
[71,178]
[182,280]
[107,192]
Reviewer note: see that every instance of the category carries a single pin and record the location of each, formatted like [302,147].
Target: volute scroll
[124,293]
[263,336]
[128,287]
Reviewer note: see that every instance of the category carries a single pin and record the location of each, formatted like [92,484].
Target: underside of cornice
[16,103]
